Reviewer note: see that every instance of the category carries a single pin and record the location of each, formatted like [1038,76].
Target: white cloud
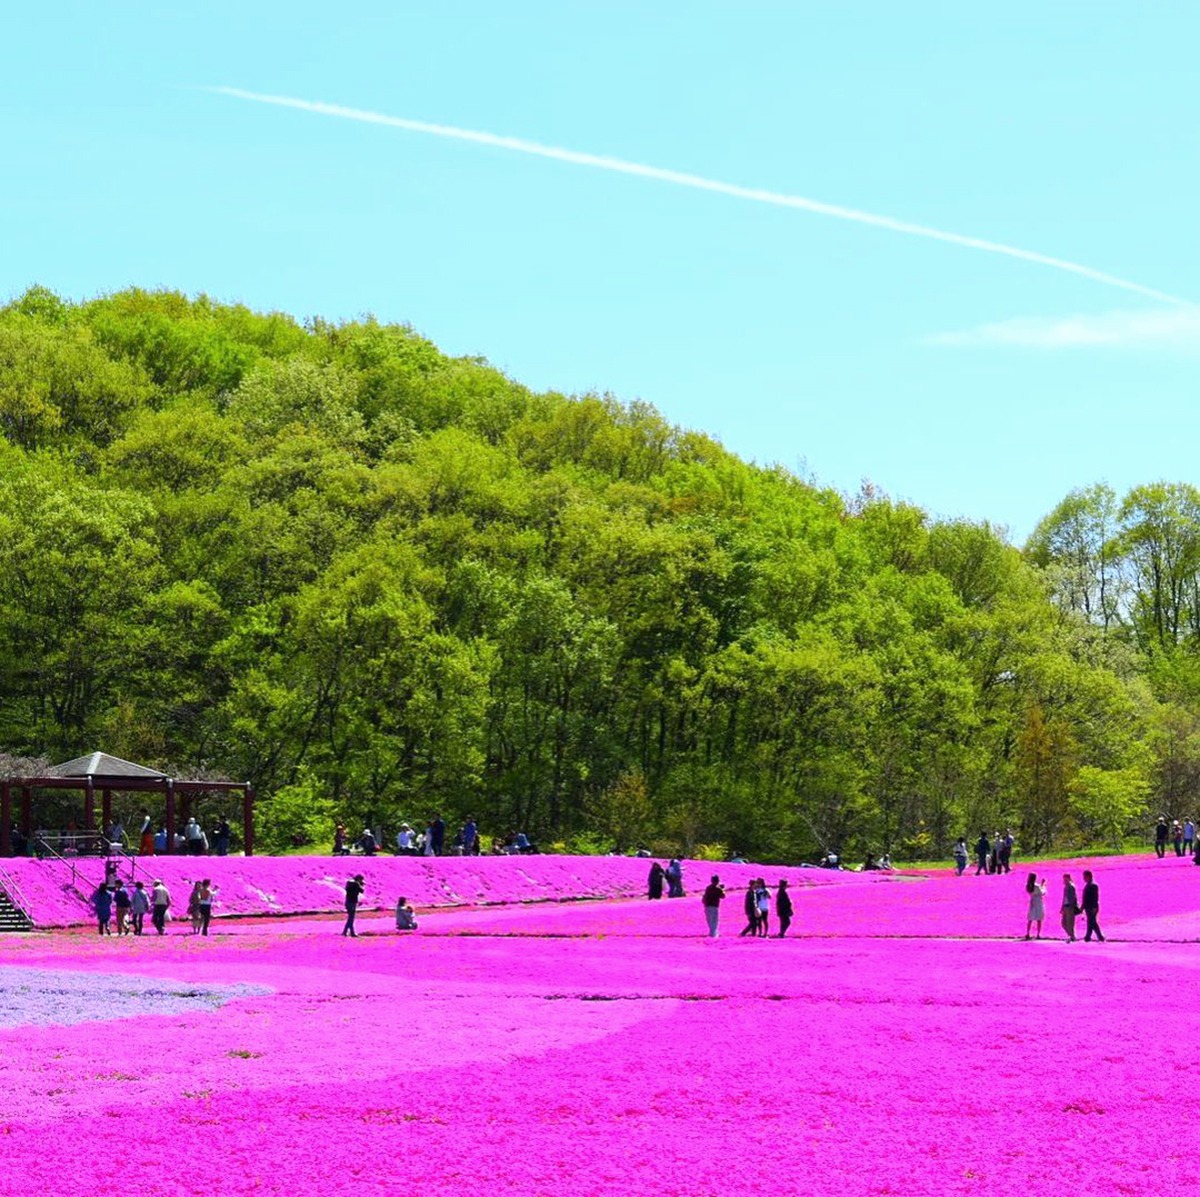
[1174,328]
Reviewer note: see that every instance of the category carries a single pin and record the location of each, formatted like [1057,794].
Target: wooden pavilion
[106,774]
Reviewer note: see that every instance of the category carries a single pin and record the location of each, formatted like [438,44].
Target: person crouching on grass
[406,916]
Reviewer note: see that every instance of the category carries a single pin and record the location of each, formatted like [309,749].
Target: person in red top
[714,895]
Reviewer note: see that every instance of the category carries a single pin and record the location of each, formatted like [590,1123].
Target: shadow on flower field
[903,1040]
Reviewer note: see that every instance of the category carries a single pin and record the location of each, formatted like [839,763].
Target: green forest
[379,582]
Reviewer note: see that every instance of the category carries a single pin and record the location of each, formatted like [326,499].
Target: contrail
[700,183]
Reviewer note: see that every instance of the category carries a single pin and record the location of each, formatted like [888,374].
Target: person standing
[193,908]
[1070,907]
[1006,847]
[982,849]
[1036,889]
[654,883]
[762,897]
[783,907]
[160,897]
[1189,836]
[439,834]
[961,856]
[204,900]
[1177,837]
[714,895]
[139,906]
[354,890]
[470,837]
[224,833]
[146,837]
[1091,907]
[675,878]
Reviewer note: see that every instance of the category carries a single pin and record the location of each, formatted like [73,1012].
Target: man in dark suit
[1091,907]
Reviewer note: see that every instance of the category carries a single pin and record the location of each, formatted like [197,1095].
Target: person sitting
[406,916]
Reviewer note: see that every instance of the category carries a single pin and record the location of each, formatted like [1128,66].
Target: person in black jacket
[982,849]
[783,907]
[655,881]
[354,889]
[751,908]
[1091,907]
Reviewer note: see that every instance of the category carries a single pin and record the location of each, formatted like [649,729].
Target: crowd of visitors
[431,841]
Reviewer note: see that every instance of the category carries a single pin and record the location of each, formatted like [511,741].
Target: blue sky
[971,383]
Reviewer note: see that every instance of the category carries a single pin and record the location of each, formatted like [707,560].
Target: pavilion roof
[100,764]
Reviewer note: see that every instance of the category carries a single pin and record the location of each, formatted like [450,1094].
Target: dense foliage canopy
[380,582]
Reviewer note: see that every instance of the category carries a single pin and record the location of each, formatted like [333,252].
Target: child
[406,916]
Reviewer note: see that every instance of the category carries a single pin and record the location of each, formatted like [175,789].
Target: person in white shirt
[160,897]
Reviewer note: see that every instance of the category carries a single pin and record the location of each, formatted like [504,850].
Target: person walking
[1189,836]
[1036,889]
[1160,837]
[102,899]
[714,895]
[160,898]
[354,890]
[783,907]
[1177,837]
[122,902]
[961,856]
[139,906]
[1091,907]
[1069,910]
[982,849]
[750,906]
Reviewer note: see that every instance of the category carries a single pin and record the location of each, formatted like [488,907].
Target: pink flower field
[903,1040]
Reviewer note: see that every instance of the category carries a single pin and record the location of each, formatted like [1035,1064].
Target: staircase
[12,916]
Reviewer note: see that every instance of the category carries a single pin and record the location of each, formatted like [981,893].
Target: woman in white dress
[1036,889]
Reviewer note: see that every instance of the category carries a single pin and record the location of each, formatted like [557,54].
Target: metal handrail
[13,892]
[43,848]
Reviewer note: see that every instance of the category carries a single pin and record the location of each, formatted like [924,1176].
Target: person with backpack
[122,902]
